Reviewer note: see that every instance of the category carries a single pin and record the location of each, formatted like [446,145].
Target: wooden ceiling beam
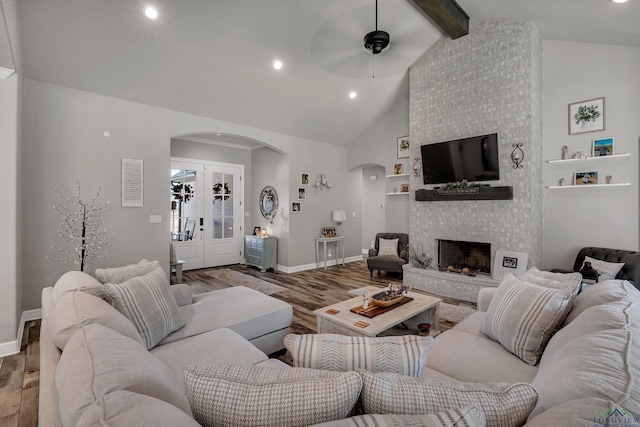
[448,15]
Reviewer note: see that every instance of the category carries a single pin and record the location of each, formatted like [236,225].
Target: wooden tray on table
[375,310]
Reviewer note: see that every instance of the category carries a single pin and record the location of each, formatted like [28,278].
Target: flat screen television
[474,159]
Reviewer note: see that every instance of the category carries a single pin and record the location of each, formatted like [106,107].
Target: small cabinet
[261,252]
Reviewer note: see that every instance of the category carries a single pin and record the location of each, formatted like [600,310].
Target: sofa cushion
[248,312]
[606,270]
[122,274]
[123,408]
[600,293]
[205,349]
[465,417]
[388,247]
[570,281]
[73,281]
[227,395]
[522,316]
[503,404]
[97,361]
[586,412]
[594,365]
[149,303]
[405,355]
[476,358]
[77,309]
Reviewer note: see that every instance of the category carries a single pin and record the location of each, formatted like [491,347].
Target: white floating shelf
[589,158]
[397,175]
[397,194]
[617,184]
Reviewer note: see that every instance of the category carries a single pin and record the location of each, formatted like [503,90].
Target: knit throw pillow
[523,316]
[248,395]
[465,417]
[149,303]
[405,355]
[504,405]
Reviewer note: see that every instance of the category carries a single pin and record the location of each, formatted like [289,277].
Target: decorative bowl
[383,299]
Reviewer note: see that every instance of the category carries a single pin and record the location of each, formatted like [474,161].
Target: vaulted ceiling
[214,58]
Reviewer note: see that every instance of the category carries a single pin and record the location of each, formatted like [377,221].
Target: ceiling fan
[377,40]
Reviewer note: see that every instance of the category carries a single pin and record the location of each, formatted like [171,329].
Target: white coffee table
[423,309]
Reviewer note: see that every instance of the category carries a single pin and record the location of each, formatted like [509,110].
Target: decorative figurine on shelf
[561,183]
[609,177]
[565,152]
[581,155]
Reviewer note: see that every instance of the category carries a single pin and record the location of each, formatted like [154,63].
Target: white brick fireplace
[486,82]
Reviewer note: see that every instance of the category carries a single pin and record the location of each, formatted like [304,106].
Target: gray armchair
[392,263]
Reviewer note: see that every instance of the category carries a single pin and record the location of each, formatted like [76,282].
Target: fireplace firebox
[475,256]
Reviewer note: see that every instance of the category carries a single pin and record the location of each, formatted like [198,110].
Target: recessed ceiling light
[150,12]
[277,64]
[619,1]
[352,95]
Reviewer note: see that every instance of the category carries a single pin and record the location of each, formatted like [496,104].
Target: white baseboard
[313,266]
[13,347]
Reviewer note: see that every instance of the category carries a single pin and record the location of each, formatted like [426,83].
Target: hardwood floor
[306,291]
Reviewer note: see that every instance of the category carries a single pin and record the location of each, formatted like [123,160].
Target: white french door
[206,212]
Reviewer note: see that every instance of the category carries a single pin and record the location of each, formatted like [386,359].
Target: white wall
[604,217]
[373,193]
[10,137]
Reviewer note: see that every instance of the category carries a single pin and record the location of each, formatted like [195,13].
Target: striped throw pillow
[523,316]
[248,395]
[504,405]
[465,417]
[149,303]
[405,355]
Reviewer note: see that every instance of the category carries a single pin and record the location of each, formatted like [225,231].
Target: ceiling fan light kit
[376,41]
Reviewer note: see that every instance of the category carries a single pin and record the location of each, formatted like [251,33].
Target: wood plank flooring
[306,291]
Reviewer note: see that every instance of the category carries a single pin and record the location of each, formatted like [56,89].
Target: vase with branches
[83,230]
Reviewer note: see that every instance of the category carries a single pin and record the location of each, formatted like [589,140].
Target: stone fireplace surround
[489,81]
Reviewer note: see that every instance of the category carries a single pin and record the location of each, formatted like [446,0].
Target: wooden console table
[324,241]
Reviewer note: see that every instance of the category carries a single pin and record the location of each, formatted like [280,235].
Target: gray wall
[10,190]
[217,153]
[606,217]
[373,193]
[489,81]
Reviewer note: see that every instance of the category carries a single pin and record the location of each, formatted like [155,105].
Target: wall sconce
[322,182]
[517,156]
[338,216]
[417,167]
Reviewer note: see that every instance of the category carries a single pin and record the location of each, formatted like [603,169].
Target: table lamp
[338,216]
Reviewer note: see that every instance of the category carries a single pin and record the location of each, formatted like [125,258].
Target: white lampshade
[338,215]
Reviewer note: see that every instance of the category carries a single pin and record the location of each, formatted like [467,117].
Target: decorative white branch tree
[83,230]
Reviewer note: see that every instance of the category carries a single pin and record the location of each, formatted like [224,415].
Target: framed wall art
[302,193]
[402,143]
[585,178]
[602,147]
[296,207]
[398,169]
[304,179]
[586,116]
[509,262]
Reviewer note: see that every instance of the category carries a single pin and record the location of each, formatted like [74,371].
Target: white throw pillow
[73,281]
[606,270]
[571,281]
[388,247]
[247,395]
[405,354]
[503,404]
[149,303]
[122,274]
[523,316]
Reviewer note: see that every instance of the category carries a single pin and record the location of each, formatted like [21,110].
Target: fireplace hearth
[464,257]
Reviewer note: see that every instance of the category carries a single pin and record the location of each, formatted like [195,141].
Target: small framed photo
[404,188]
[256,231]
[328,232]
[402,147]
[509,262]
[304,179]
[586,116]
[296,207]
[585,178]
[302,193]
[398,169]
[602,147]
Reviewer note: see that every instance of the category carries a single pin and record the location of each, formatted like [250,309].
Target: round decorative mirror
[269,202]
